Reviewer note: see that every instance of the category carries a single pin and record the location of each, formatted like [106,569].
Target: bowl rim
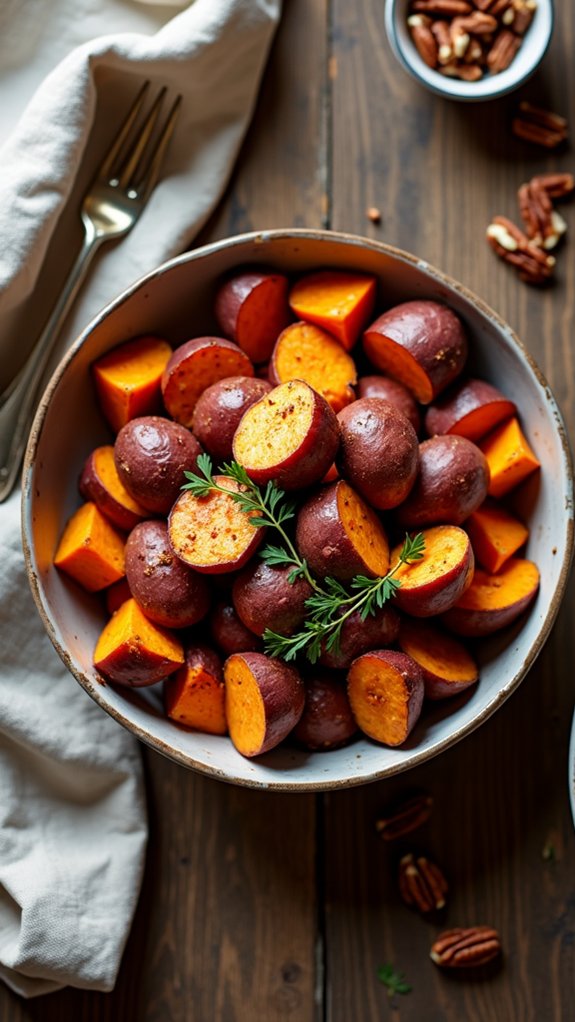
[416,758]
[488,88]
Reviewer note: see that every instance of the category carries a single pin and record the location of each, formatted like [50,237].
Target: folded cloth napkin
[72,808]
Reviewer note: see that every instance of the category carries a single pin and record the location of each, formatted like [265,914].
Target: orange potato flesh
[261,317]
[91,550]
[476,424]
[445,547]
[274,428]
[517,579]
[191,371]
[196,699]
[495,535]
[391,357]
[212,534]
[133,651]
[380,699]
[128,379]
[245,708]
[306,352]
[107,474]
[338,301]
[364,529]
[447,665]
[509,457]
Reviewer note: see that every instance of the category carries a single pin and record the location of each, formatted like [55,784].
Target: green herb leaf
[395,982]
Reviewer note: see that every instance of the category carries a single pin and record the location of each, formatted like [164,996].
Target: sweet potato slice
[195,696]
[495,535]
[128,379]
[470,408]
[252,309]
[509,457]
[212,534]
[264,701]
[100,483]
[447,665]
[306,352]
[291,435]
[494,601]
[339,301]
[385,690]
[436,582]
[133,651]
[219,410]
[91,550]
[420,343]
[338,534]
[194,366]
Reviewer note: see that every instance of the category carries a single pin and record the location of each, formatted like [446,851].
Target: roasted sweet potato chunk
[252,309]
[436,582]
[194,366]
[493,601]
[338,534]
[509,456]
[195,696]
[470,408]
[447,665]
[212,534]
[495,535]
[327,721]
[133,651]
[128,379]
[101,483]
[91,550]
[168,591]
[264,701]
[291,436]
[339,301]
[385,691]
[306,352]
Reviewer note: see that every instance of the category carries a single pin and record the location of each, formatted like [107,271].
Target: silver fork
[110,208]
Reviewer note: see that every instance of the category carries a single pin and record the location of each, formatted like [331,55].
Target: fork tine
[105,171]
[127,171]
[149,175]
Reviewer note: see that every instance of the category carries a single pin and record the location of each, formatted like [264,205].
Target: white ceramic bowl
[525,63]
[175,301]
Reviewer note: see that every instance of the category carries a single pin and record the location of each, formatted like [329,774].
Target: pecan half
[536,212]
[404,817]
[503,50]
[478,23]
[422,885]
[465,948]
[440,29]
[423,39]
[445,8]
[513,246]
[542,127]
[557,186]
[523,13]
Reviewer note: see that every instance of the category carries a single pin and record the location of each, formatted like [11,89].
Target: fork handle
[18,403]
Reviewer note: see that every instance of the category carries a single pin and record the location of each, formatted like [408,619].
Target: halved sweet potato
[327,721]
[219,409]
[470,408]
[385,690]
[264,701]
[128,379]
[291,436]
[379,451]
[495,535]
[451,483]
[229,633]
[421,343]
[101,483]
[338,534]
[165,588]
[436,582]
[252,309]
[306,352]
[493,601]
[194,366]
[447,665]
[509,457]
[393,391]
[378,631]
[339,301]
[212,534]
[195,696]
[91,550]
[133,651]
[151,455]
[265,598]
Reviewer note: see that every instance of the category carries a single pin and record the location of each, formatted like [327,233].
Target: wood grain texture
[439,171]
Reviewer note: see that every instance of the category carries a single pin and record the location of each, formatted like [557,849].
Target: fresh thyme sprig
[395,982]
[330,604]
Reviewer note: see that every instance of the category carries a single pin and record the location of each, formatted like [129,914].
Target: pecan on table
[466,948]
[422,885]
[404,817]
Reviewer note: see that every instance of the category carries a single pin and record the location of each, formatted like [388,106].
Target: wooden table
[261,907]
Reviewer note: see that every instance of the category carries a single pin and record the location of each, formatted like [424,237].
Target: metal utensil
[110,208]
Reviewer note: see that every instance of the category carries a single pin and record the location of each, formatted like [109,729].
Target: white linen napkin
[72,809]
